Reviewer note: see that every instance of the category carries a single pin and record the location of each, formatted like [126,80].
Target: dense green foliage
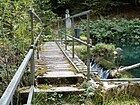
[105,7]
[14,32]
[99,7]
[44,9]
[113,30]
[91,96]
[15,35]
[81,52]
[104,55]
[56,98]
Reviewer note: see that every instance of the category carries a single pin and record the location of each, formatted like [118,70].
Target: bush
[81,52]
[104,55]
[113,30]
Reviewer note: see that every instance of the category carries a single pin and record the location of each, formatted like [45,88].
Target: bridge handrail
[36,41]
[78,40]
[35,15]
[10,90]
[79,14]
[87,43]
[120,80]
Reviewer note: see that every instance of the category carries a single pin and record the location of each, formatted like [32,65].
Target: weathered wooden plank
[56,89]
[53,58]
[60,74]
[58,69]
[61,89]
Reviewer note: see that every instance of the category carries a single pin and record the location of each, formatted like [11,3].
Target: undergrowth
[91,96]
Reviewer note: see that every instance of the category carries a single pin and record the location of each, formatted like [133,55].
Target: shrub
[113,30]
[104,55]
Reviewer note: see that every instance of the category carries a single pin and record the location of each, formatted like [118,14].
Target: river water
[130,55]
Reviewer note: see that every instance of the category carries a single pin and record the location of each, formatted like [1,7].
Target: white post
[68,20]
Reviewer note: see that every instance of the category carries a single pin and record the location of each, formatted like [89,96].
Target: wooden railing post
[73,34]
[32,63]
[88,47]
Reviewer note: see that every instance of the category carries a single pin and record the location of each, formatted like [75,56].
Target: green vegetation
[81,52]
[122,100]
[55,98]
[15,35]
[23,88]
[14,32]
[101,52]
[40,71]
[104,55]
[121,32]
[91,96]
[43,86]
[113,30]
[99,7]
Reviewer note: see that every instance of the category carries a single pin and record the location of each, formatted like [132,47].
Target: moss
[105,63]
[105,51]
[43,49]
[71,66]
[40,71]
[73,69]
[47,38]
[23,88]
[81,52]
[124,74]
[41,62]
[43,86]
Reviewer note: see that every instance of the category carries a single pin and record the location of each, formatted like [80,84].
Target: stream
[130,55]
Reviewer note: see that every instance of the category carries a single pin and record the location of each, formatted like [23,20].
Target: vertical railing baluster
[58,27]
[88,47]
[65,36]
[73,34]
[11,103]
[32,64]
[61,31]
[37,45]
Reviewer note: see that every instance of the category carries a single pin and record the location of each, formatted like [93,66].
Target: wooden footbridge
[54,66]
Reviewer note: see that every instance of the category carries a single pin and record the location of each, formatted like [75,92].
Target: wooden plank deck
[80,65]
[53,57]
[56,68]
